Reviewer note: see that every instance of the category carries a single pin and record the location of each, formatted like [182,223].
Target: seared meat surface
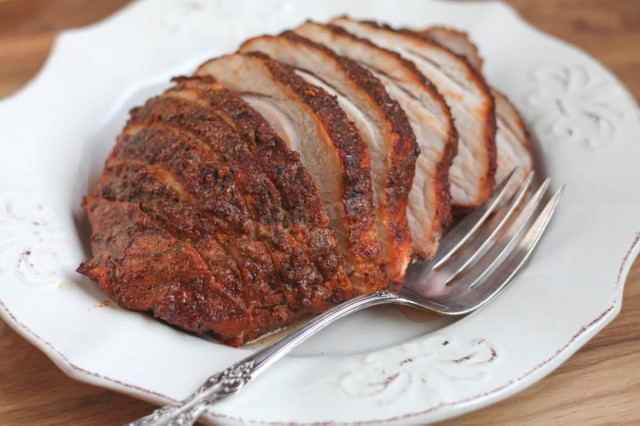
[299,196]
[330,146]
[304,170]
[143,267]
[429,208]
[186,170]
[380,120]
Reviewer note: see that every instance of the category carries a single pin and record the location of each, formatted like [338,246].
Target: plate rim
[464,405]
[467,404]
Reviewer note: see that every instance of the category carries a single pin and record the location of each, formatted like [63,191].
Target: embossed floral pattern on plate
[567,98]
[429,366]
[30,239]
[574,103]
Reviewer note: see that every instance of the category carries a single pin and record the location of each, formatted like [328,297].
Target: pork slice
[144,268]
[265,219]
[381,121]
[204,179]
[189,171]
[472,174]
[429,199]
[330,147]
[160,197]
[512,138]
[456,41]
[147,186]
[306,218]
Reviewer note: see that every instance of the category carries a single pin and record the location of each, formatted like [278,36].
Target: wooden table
[600,384]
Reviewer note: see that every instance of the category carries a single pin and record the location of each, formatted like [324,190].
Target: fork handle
[229,381]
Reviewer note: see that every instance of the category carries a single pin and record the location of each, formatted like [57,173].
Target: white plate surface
[378,366]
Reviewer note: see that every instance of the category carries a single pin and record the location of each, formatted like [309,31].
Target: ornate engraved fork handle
[228,382]
[219,386]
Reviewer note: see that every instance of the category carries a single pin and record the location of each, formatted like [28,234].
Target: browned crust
[445,213]
[297,281]
[144,184]
[408,64]
[300,196]
[131,251]
[259,252]
[400,161]
[297,188]
[137,182]
[213,202]
[442,215]
[489,119]
[355,161]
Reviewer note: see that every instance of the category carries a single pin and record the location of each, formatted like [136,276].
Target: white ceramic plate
[378,366]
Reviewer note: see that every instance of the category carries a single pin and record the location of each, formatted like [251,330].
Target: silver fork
[476,260]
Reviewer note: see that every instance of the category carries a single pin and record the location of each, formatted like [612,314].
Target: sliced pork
[429,199]
[195,195]
[382,123]
[512,138]
[456,41]
[305,169]
[472,173]
[512,141]
[306,216]
[139,264]
[330,147]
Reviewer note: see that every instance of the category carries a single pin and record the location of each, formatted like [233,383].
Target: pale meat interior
[321,70]
[457,42]
[512,140]
[430,122]
[468,102]
[296,124]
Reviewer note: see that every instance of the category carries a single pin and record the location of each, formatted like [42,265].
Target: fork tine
[503,246]
[504,273]
[464,230]
[481,242]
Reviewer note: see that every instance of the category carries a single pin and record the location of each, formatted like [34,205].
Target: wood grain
[598,385]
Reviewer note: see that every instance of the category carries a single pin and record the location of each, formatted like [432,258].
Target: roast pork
[512,138]
[380,120]
[430,118]
[472,174]
[187,223]
[304,170]
[330,147]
